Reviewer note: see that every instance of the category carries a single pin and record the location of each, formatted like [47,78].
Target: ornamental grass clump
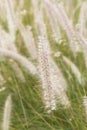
[43,65]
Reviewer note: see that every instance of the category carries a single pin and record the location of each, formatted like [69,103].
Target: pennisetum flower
[69,6]
[74,69]
[44,64]
[85,105]
[6,40]
[21,3]
[28,38]
[56,34]
[83,42]
[19,58]
[45,72]
[35,8]
[59,12]
[2,10]
[51,77]
[9,7]
[83,19]
[60,85]
[7,114]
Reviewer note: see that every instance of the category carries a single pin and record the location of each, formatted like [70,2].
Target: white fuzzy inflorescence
[56,34]
[45,74]
[6,41]
[59,12]
[83,19]
[74,69]
[59,85]
[7,114]
[45,65]
[9,6]
[28,39]
[19,58]
[85,105]
[53,83]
